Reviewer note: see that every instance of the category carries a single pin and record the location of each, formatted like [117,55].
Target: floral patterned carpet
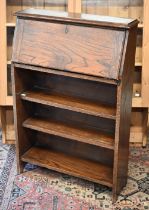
[42,189]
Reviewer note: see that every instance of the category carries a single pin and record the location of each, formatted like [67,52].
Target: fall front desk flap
[57,40]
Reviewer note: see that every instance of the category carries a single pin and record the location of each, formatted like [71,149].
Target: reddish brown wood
[70,103]
[23,142]
[124,101]
[67,131]
[61,47]
[93,171]
[76,148]
[85,19]
[64,73]
[72,86]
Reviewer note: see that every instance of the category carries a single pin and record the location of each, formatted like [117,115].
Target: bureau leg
[117,188]
[114,197]
[20,167]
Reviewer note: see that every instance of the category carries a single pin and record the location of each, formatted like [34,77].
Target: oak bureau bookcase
[72,87]
[126,9]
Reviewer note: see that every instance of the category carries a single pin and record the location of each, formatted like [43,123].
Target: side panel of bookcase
[122,131]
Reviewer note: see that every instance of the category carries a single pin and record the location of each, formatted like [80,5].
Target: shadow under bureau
[72,88]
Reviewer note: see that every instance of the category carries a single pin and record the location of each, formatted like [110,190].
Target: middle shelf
[71,132]
[70,103]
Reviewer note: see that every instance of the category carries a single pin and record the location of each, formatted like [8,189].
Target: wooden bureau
[72,87]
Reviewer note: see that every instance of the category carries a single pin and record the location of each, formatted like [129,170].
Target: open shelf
[93,171]
[70,103]
[137,102]
[9,82]
[10,34]
[7,122]
[8,62]
[140,25]
[10,24]
[71,132]
[138,64]
[139,119]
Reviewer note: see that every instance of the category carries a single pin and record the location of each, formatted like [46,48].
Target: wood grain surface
[71,132]
[83,19]
[81,115]
[69,103]
[57,161]
[86,50]
[124,102]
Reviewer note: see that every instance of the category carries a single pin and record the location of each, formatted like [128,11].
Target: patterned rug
[7,172]
[42,189]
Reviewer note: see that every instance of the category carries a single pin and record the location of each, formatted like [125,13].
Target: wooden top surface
[88,19]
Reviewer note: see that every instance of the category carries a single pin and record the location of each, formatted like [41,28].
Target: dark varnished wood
[72,86]
[85,19]
[70,103]
[86,50]
[124,101]
[67,131]
[93,171]
[76,148]
[20,115]
[68,74]
[81,120]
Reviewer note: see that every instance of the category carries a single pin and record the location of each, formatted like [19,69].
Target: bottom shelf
[71,165]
